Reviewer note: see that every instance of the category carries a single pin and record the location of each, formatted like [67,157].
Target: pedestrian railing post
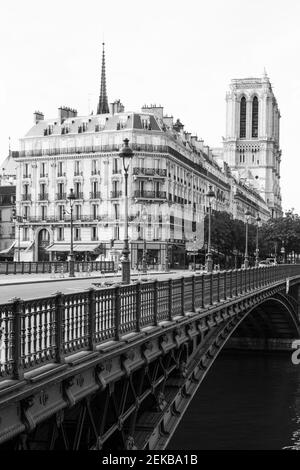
[236,283]
[225,284]
[18,318]
[202,291]
[211,289]
[193,292]
[182,296]
[59,327]
[218,286]
[117,313]
[92,318]
[138,307]
[155,299]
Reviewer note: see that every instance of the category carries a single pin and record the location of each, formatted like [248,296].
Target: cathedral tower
[251,145]
[102,107]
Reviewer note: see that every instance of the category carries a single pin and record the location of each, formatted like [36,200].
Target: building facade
[7,226]
[251,146]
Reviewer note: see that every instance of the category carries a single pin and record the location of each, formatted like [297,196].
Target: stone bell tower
[251,145]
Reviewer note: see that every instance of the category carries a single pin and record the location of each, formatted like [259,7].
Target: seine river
[246,401]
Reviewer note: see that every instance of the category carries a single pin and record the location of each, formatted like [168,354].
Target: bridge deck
[46,331]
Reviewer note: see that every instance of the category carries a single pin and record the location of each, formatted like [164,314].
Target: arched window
[255,117]
[243,118]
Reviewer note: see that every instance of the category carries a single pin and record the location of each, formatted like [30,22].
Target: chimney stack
[38,116]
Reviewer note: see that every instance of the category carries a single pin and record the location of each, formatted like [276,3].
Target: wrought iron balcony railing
[115,194]
[95,195]
[79,195]
[158,172]
[26,197]
[43,197]
[150,194]
[61,196]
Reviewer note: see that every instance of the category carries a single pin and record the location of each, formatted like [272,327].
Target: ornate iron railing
[45,330]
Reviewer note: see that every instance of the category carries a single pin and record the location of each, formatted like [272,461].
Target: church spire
[103,103]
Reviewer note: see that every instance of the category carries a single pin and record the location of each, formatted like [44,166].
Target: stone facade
[168,181]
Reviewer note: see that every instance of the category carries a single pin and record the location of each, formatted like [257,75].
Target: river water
[246,401]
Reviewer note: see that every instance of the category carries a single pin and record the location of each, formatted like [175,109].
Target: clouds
[179,54]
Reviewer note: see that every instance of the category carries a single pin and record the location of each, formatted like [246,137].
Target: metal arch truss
[135,396]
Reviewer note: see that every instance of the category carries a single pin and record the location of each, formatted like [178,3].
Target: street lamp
[20,219]
[246,259]
[71,198]
[194,254]
[258,219]
[282,251]
[144,259]
[209,261]
[126,153]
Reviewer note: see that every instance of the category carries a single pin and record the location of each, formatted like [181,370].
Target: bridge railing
[47,330]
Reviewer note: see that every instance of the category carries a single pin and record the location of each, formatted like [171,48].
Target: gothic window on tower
[243,118]
[255,117]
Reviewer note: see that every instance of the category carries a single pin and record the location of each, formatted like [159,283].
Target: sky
[181,55]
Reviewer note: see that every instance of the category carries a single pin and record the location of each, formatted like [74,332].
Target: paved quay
[30,286]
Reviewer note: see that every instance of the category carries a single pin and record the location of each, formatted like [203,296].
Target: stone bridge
[116,367]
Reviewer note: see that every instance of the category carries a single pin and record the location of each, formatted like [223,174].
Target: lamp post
[282,251]
[258,219]
[246,259]
[144,259]
[20,219]
[209,261]
[71,197]
[126,153]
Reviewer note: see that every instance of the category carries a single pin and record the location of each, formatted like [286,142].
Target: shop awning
[7,250]
[58,247]
[77,248]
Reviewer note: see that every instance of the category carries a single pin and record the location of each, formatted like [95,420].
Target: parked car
[268,262]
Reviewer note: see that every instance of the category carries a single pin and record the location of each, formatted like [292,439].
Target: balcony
[27,175]
[116,171]
[61,196]
[95,195]
[78,173]
[95,172]
[115,194]
[43,197]
[61,174]
[78,195]
[150,194]
[148,172]
[26,197]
